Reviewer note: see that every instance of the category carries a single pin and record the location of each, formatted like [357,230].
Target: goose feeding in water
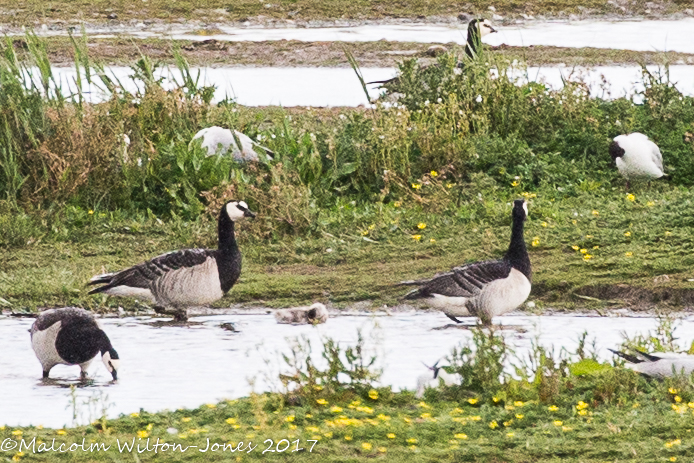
[482,289]
[658,365]
[218,140]
[637,157]
[71,336]
[181,279]
[434,378]
[315,314]
[476,29]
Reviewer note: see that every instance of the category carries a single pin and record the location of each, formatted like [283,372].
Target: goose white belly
[189,286]
[665,367]
[43,343]
[501,296]
[638,167]
[455,306]
[141,293]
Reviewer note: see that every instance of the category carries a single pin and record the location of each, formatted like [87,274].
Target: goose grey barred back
[476,29]
[221,141]
[637,157]
[71,336]
[482,289]
[186,278]
[658,365]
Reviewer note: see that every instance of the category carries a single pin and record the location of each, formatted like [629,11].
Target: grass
[32,11]
[122,51]
[568,408]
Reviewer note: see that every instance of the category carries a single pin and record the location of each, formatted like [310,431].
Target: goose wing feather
[465,281]
[67,316]
[657,156]
[141,275]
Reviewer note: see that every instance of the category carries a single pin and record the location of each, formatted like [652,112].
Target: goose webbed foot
[179,315]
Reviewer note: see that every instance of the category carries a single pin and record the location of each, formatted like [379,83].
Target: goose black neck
[103,342]
[225,232]
[473,40]
[517,253]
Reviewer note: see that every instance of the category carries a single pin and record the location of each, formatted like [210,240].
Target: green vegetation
[566,407]
[356,199]
[31,11]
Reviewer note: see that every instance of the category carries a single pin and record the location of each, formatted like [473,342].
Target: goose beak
[249,214]
[492,30]
[114,373]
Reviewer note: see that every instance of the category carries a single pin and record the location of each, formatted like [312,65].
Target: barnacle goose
[218,140]
[482,289]
[314,314]
[185,278]
[637,157]
[71,336]
[476,29]
[658,365]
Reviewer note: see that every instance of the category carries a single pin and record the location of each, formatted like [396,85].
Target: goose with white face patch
[660,364]
[482,289]
[637,157]
[220,141]
[71,336]
[186,278]
[476,29]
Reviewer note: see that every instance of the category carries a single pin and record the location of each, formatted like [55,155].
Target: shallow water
[340,87]
[649,35]
[174,367]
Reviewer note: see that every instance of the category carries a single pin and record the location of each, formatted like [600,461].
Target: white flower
[479,99]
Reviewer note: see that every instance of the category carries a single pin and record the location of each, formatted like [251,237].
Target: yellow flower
[412,447]
[581,405]
[587,257]
[558,423]
[291,426]
[544,224]
[17,456]
[322,402]
[510,434]
[411,440]
[650,204]
[390,435]
[596,213]
[432,240]
[449,185]
[460,436]
[416,237]
[312,429]
[673,458]
[475,418]
[433,173]
[90,212]
[60,432]
[348,437]
[382,450]
[627,233]
[416,186]
[288,419]
[672,391]
[421,225]
[185,419]
[583,412]
[383,417]
[472,401]
[519,417]
[518,403]
[329,435]
[134,415]
[583,251]
[596,247]
[365,232]
[690,405]
[515,183]
[574,221]
[552,408]
[142,434]
[667,233]
[493,425]
[210,405]
[631,197]
[574,247]
[373,394]
[678,399]
[566,428]
[149,426]
[336,409]
[536,241]
[397,204]
[629,254]
[17,432]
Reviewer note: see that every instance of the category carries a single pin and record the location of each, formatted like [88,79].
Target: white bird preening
[434,378]
[221,141]
[658,365]
[637,157]
[483,289]
[314,314]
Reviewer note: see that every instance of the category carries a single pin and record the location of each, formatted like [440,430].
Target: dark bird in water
[476,29]
[181,279]
[482,289]
[71,336]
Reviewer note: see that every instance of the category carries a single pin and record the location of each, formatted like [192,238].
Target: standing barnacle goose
[482,289]
[71,336]
[637,157]
[658,365]
[476,29]
[185,278]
